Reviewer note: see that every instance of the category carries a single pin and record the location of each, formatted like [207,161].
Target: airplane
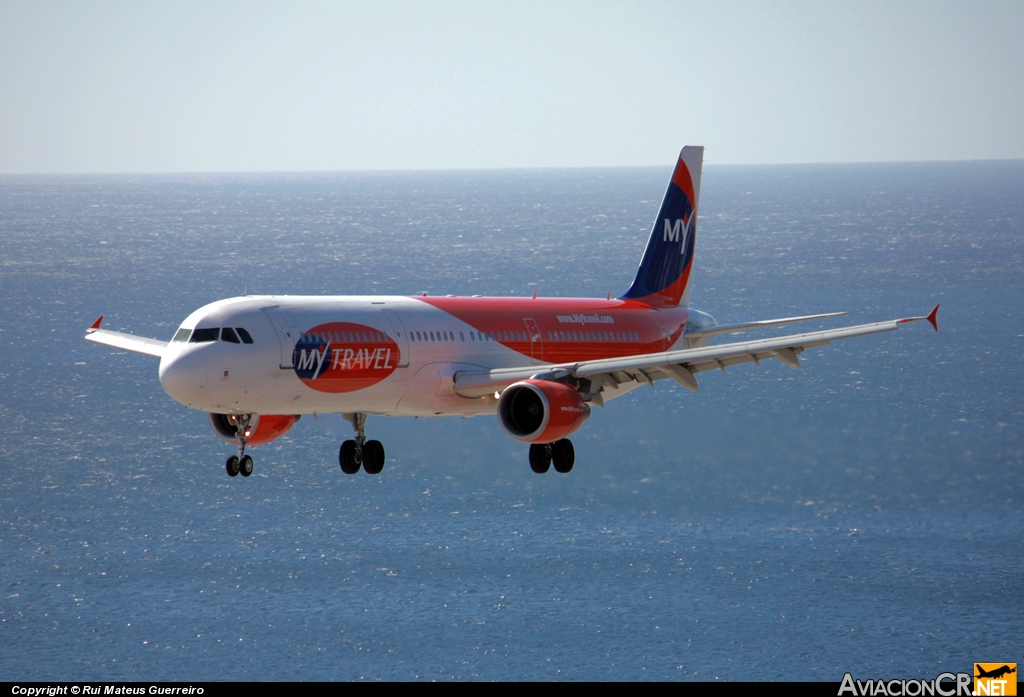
[256,364]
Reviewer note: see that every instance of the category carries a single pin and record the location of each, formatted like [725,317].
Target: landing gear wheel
[347,457]
[373,457]
[245,466]
[232,466]
[540,458]
[563,455]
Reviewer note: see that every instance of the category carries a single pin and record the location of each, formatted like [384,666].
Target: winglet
[932,317]
[96,325]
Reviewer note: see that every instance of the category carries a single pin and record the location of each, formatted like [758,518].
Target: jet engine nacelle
[541,411]
[262,428]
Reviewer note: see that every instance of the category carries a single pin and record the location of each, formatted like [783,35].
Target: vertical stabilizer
[663,279]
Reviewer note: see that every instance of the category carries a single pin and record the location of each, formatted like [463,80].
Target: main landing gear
[561,454]
[240,463]
[368,454]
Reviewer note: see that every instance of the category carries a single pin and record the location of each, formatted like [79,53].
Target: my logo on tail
[678,232]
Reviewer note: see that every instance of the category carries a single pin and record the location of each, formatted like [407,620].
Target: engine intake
[262,429]
[541,411]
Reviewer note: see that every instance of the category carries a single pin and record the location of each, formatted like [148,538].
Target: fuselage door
[285,334]
[399,334]
[536,342]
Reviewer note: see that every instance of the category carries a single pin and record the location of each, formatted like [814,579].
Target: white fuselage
[391,354]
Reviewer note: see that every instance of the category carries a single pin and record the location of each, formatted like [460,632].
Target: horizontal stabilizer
[126,342]
[729,328]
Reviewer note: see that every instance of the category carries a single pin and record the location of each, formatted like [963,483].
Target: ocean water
[863,513]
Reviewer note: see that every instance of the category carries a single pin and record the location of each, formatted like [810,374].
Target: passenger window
[228,334]
[246,339]
[200,336]
[182,335]
[462,337]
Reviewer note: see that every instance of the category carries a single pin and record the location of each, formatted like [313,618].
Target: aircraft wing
[127,342]
[679,365]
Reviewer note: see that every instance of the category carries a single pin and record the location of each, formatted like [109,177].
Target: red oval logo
[344,357]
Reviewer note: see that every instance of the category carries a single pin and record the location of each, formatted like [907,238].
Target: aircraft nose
[184,376]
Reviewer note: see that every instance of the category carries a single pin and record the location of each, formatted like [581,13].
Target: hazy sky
[223,86]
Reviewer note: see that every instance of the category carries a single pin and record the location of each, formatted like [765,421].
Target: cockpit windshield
[203,335]
[232,335]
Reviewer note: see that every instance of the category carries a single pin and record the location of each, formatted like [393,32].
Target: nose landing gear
[368,454]
[240,463]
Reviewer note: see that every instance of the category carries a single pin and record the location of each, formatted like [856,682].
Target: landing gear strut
[560,453]
[240,463]
[368,454]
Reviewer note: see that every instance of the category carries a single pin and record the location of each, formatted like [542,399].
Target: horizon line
[393,170]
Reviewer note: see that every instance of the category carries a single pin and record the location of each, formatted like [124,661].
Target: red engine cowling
[262,428]
[540,411]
